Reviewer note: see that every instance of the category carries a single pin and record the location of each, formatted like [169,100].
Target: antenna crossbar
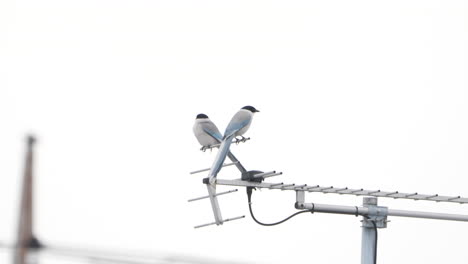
[207,169]
[340,190]
[223,221]
[207,196]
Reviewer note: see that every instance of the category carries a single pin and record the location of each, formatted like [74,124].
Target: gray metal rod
[359,210]
[288,185]
[224,165]
[198,226]
[225,220]
[275,184]
[334,209]
[236,162]
[233,218]
[263,174]
[207,196]
[428,215]
[214,204]
[272,175]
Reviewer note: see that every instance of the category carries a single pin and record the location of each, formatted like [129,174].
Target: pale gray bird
[239,124]
[206,132]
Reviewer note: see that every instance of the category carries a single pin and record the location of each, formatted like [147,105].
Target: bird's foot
[239,140]
[204,148]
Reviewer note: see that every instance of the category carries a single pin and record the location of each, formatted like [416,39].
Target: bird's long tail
[220,157]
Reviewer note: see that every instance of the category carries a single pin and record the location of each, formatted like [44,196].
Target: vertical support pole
[26,242]
[214,203]
[368,248]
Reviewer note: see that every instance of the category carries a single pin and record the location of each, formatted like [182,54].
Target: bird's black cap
[200,116]
[250,108]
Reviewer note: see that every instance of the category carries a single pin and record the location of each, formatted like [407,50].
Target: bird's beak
[257,110]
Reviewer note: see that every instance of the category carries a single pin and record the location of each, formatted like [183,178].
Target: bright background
[364,94]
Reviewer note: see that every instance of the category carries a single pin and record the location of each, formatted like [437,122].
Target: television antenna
[374,216]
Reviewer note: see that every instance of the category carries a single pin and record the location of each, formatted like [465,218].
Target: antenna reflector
[224,165]
[225,220]
[207,196]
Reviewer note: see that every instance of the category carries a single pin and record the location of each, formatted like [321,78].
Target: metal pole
[428,215]
[214,203]
[356,210]
[368,246]
[368,249]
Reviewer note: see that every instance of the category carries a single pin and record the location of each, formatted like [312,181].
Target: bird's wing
[238,121]
[213,131]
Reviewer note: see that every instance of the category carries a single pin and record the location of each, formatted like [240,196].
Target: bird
[208,135]
[239,124]
[206,132]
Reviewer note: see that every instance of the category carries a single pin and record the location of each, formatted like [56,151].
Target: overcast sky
[363,94]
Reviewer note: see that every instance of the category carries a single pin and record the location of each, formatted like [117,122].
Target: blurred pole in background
[26,240]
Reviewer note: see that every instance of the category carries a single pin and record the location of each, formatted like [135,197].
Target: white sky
[364,94]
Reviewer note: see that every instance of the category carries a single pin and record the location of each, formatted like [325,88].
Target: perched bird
[239,124]
[206,132]
[208,135]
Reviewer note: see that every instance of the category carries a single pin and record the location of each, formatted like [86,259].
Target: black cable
[249,197]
